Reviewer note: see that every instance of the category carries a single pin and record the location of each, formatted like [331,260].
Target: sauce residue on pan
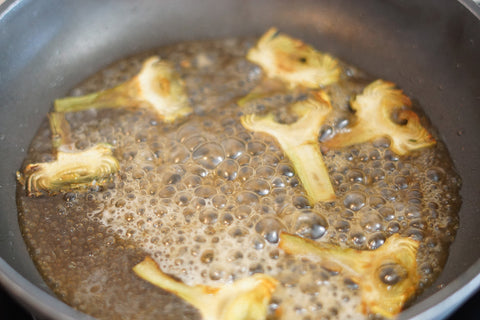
[207,199]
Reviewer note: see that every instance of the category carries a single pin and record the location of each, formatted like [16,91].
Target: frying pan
[430,48]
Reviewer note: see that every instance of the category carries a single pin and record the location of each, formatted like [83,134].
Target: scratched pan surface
[430,48]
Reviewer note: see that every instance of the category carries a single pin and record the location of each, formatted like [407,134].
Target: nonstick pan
[430,48]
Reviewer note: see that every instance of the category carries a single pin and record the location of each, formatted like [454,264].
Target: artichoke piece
[73,170]
[293,61]
[157,86]
[375,111]
[299,142]
[387,276]
[245,299]
[60,130]
[266,88]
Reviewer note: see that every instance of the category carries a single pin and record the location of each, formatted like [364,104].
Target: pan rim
[437,306]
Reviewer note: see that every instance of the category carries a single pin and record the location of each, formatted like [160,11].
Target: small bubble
[270,159]
[207,256]
[371,221]
[173,179]
[245,173]
[412,212]
[387,213]
[183,198]
[227,188]
[358,239]
[227,219]
[238,232]
[376,241]
[301,202]
[376,202]
[228,169]
[242,212]
[255,148]
[205,192]
[246,198]
[209,155]
[378,174]
[310,225]
[435,174]
[258,243]
[219,201]
[193,142]
[178,154]
[356,176]
[215,273]
[414,233]
[278,183]
[167,192]
[187,130]
[259,186]
[198,203]
[233,147]
[188,213]
[234,256]
[192,181]
[200,239]
[325,133]
[354,201]
[341,123]
[270,229]
[208,216]
[265,172]
[401,182]
[392,273]
[285,170]
[256,268]
[342,226]
[120,203]
[389,166]
[426,268]
[243,160]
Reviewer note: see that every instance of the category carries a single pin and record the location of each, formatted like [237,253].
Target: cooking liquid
[207,199]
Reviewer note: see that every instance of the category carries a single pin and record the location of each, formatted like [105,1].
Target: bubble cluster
[208,200]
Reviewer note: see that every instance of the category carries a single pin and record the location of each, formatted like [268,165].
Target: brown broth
[215,220]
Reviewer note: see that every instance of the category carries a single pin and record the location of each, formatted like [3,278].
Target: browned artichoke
[386,276]
[157,86]
[245,299]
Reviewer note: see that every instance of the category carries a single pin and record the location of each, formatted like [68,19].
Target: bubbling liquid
[208,199]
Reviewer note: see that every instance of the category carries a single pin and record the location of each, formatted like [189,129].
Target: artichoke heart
[73,170]
[245,299]
[387,276]
[299,142]
[157,86]
[293,61]
[383,111]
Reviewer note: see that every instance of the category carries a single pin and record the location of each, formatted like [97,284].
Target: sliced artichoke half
[387,276]
[383,111]
[245,299]
[73,170]
[157,86]
[299,142]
